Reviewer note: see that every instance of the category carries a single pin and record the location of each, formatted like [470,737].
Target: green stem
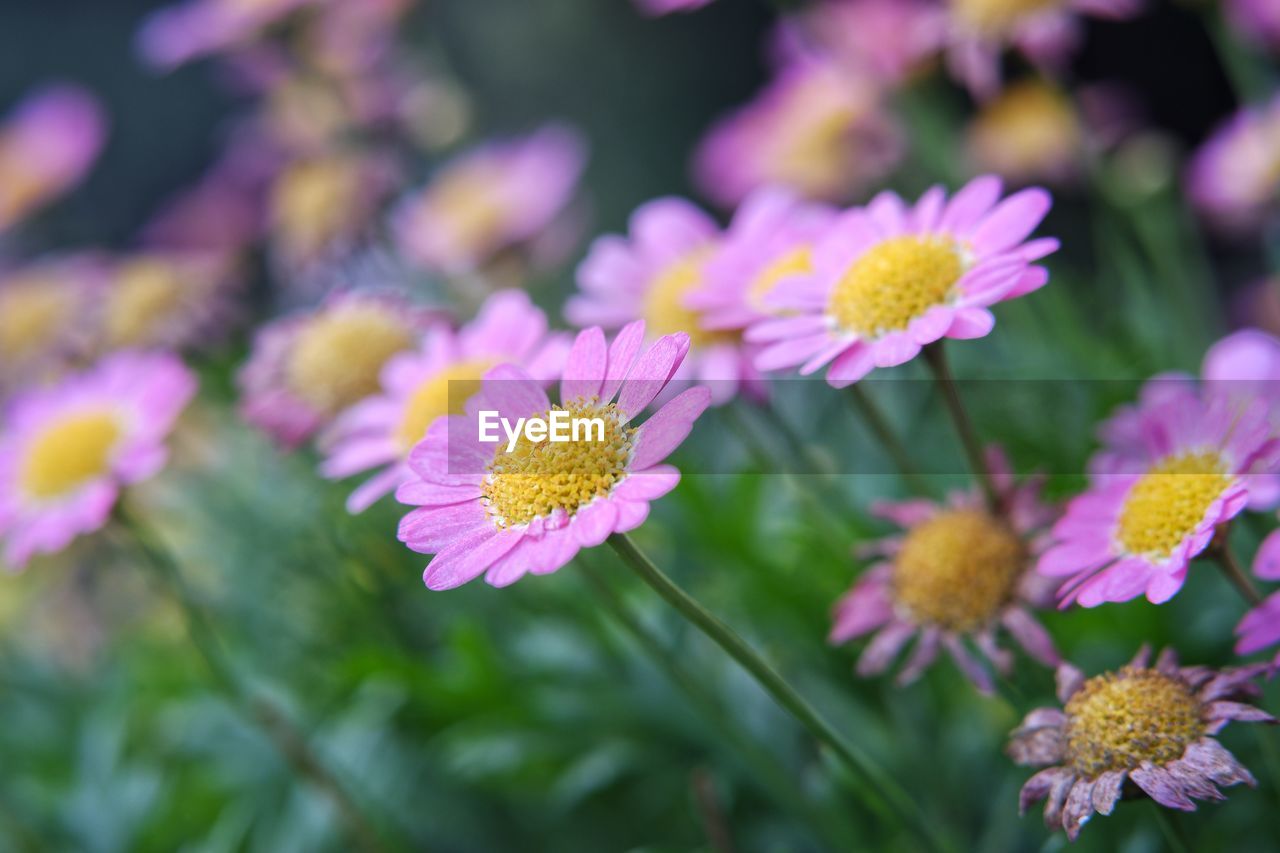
[936,357]
[878,423]
[1172,832]
[291,744]
[886,796]
[1220,550]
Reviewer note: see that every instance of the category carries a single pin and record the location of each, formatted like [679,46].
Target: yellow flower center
[538,478]
[33,313]
[467,199]
[313,202]
[958,569]
[445,393]
[69,453]
[893,283]
[1169,501]
[813,143]
[1029,128]
[999,16]
[798,261]
[337,355]
[147,293]
[1118,720]
[664,304]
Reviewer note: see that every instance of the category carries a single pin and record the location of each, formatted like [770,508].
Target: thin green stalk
[1173,834]
[878,423]
[291,744]
[936,357]
[1220,550]
[886,796]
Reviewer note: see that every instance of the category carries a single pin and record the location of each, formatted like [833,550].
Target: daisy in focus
[889,279]
[306,368]
[1153,726]
[956,573]
[653,274]
[432,382]
[67,450]
[482,510]
[494,197]
[1135,531]
[47,144]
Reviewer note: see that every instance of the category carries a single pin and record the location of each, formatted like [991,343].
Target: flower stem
[936,356]
[1222,554]
[290,742]
[1173,833]
[878,423]
[885,794]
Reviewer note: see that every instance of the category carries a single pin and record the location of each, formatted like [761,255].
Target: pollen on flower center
[1169,502]
[895,282]
[69,454]
[444,393]
[467,200]
[798,261]
[958,569]
[1000,15]
[1118,720]
[313,199]
[145,294]
[335,359]
[539,478]
[664,309]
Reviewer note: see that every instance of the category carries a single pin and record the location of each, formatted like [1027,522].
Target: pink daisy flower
[1031,131]
[47,144]
[482,510]
[813,129]
[306,368]
[957,573]
[1234,178]
[1260,627]
[652,274]
[435,381]
[885,40]
[1136,531]
[493,197]
[1045,31]
[768,244]
[1153,726]
[67,450]
[889,279]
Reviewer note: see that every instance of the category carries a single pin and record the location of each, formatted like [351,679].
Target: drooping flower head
[1234,178]
[889,279]
[433,382]
[957,573]
[194,29]
[652,274]
[163,299]
[1136,530]
[42,321]
[483,510]
[1031,131]
[1153,726]
[68,449]
[768,244]
[308,367]
[1045,31]
[493,197]
[813,129]
[47,144]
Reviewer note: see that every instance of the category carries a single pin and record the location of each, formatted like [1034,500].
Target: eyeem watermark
[559,426]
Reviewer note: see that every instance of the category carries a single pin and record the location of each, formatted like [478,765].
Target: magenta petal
[1162,786]
[652,372]
[513,393]
[1012,221]
[971,323]
[670,425]
[429,530]
[592,524]
[851,365]
[468,557]
[1266,564]
[864,608]
[1031,635]
[647,485]
[969,665]
[631,514]
[884,647]
[584,369]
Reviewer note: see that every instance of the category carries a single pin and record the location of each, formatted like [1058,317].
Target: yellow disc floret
[338,353]
[1118,720]
[958,569]
[69,454]
[34,313]
[1167,504]
[996,17]
[445,393]
[146,293]
[797,261]
[471,205]
[538,479]
[895,282]
[665,312]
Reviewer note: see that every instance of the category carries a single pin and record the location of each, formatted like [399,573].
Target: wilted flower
[308,367]
[768,245]
[813,129]
[193,29]
[491,198]
[163,299]
[484,510]
[67,450]
[1135,531]
[1257,21]
[1030,131]
[1234,179]
[884,40]
[1045,31]
[888,279]
[957,573]
[42,316]
[652,274]
[1260,627]
[437,380]
[47,144]
[1151,726]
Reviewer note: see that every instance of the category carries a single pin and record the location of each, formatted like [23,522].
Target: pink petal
[670,425]
[468,557]
[652,372]
[622,357]
[430,530]
[647,485]
[971,323]
[584,369]
[592,524]
[1011,221]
